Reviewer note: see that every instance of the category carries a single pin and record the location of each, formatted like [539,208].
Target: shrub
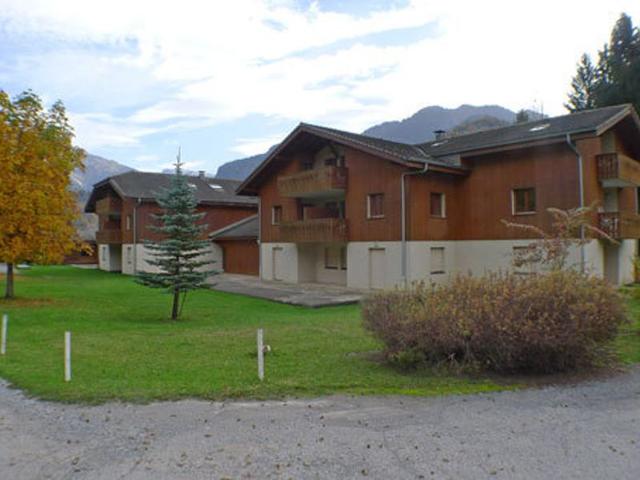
[504,322]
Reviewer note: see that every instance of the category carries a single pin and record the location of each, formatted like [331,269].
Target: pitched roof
[245,228]
[588,121]
[441,153]
[402,151]
[147,186]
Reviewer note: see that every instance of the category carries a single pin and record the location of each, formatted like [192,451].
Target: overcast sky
[229,79]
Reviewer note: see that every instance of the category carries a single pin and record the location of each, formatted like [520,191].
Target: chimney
[439,134]
[202,174]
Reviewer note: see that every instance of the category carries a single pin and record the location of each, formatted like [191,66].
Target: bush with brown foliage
[503,322]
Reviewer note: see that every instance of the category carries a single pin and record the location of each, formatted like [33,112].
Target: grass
[627,344]
[125,348]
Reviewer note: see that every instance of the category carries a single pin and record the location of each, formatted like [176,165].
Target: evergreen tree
[179,255]
[616,78]
[522,116]
[582,95]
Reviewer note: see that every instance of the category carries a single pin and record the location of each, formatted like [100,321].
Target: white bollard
[67,356]
[260,355]
[3,344]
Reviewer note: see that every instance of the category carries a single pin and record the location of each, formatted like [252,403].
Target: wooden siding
[316,230]
[317,181]
[217,216]
[620,224]
[240,256]
[476,204]
[617,170]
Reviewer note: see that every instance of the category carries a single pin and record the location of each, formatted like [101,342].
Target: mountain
[241,168]
[96,169]
[418,128]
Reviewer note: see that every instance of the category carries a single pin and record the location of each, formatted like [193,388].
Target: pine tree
[616,78]
[522,116]
[583,86]
[179,256]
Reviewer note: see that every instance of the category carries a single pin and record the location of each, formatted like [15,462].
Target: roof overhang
[250,185]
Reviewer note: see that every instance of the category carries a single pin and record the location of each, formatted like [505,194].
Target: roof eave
[245,187]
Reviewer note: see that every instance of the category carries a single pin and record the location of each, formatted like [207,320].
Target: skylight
[537,128]
[437,144]
[192,186]
[215,186]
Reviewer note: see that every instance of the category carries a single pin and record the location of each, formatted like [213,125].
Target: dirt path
[590,431]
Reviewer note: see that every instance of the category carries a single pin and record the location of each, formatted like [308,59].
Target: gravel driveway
[590,431]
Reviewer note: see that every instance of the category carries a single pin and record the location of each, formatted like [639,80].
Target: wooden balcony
[318,182]
[317,230]
[109,236]
[620,224]
[109,206]
[617,170]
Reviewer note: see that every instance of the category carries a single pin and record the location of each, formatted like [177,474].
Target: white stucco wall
[140,254]
[289,254]
[327,275]
[109,257]
[465,256]
[358,263]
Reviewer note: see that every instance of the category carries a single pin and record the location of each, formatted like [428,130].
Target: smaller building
[126,209]
[239,244]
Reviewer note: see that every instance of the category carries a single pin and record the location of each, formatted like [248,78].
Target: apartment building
[348,209]
[125,205]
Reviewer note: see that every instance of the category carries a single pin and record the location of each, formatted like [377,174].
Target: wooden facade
[241,256]
[477,202]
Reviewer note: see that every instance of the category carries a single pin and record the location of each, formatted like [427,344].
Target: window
[331,258]
[128,222]
[437,260]
[520,256]
[375,205]
[437,205]
[523,200]
[343,258]
[276,215]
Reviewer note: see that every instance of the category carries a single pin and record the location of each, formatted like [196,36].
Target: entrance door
[376,268]
[277,263]
[611,263]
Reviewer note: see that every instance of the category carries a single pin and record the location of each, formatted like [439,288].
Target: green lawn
[628,342]
[125,348]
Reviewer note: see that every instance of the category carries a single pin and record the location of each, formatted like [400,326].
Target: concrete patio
[311,295]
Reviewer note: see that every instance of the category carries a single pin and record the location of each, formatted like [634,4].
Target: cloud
[165,67]
[254,146]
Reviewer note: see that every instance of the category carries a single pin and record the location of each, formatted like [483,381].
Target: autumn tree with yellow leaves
[37,207]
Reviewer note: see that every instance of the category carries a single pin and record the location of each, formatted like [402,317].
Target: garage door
[240,256]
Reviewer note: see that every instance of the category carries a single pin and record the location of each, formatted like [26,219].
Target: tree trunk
[9,291]
[176,305]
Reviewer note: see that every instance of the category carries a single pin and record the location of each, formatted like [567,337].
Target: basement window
[437,260]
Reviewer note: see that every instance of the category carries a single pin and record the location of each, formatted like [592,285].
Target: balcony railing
[314,230]
[109,236]
[316,182]
[617,170]
[108,206]
[620,224]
